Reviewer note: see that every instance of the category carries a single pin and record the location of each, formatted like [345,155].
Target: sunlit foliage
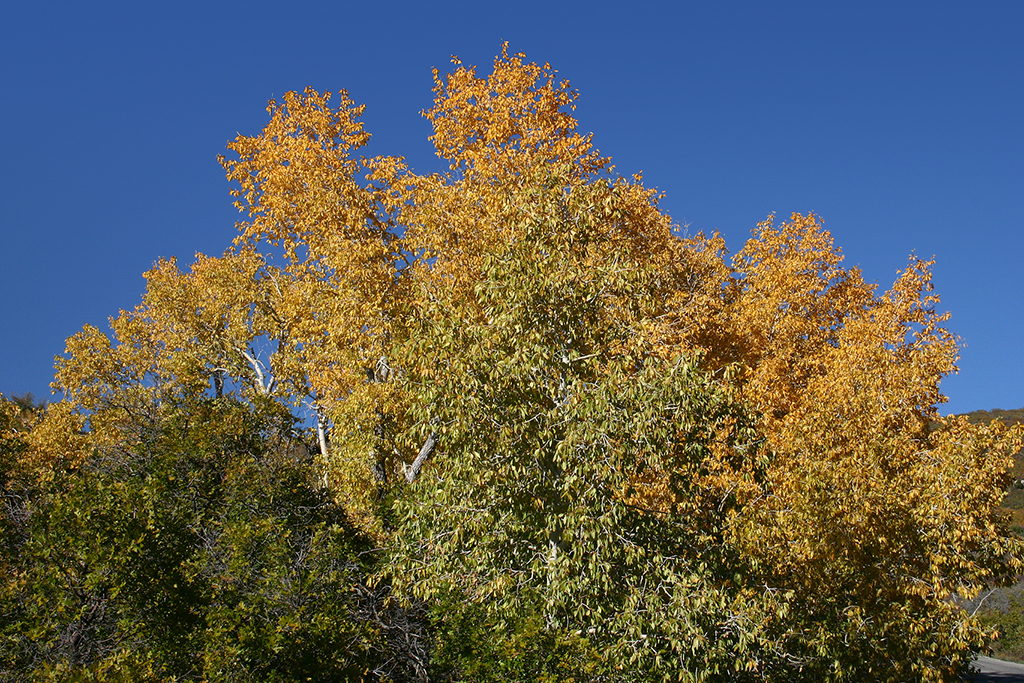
[615,452]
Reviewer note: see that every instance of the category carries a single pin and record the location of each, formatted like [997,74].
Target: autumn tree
[878,514]
[620,452]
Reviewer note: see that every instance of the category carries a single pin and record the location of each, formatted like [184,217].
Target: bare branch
[413,470]
[262,386]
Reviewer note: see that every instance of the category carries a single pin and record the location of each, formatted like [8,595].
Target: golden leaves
[488,126]
[530,260]
[56,443]
[871,500]
[298,174]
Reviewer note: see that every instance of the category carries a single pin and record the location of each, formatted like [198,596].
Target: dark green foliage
[282,578]
[1003,610]
[1010,625]
[472,646]
[202,551]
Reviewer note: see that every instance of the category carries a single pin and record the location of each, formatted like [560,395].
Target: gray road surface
[997,671]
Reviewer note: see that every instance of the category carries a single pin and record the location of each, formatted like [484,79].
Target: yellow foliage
[56,443]
[861,500]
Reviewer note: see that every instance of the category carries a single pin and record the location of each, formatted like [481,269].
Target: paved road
[997,671]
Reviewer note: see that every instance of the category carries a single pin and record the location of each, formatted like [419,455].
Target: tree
[873,518]
[556,425]
[622,451]
[205,552]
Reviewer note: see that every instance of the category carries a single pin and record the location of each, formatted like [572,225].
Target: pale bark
[263,385]
[321,434]
[413,470]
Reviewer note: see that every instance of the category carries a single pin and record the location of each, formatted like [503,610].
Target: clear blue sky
[899,123]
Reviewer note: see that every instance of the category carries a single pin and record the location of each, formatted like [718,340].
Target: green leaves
[577,481]
[203,553]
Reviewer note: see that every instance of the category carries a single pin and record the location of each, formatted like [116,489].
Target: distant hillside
[1010,417]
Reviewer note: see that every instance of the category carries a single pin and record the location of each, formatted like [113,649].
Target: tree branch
[413,470]
[321,433]
[261,384]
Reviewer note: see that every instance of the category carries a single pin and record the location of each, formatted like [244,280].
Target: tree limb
[261,384]
[321,433]
[413,470]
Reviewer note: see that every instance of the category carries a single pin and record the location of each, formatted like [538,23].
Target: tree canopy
[555,438]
